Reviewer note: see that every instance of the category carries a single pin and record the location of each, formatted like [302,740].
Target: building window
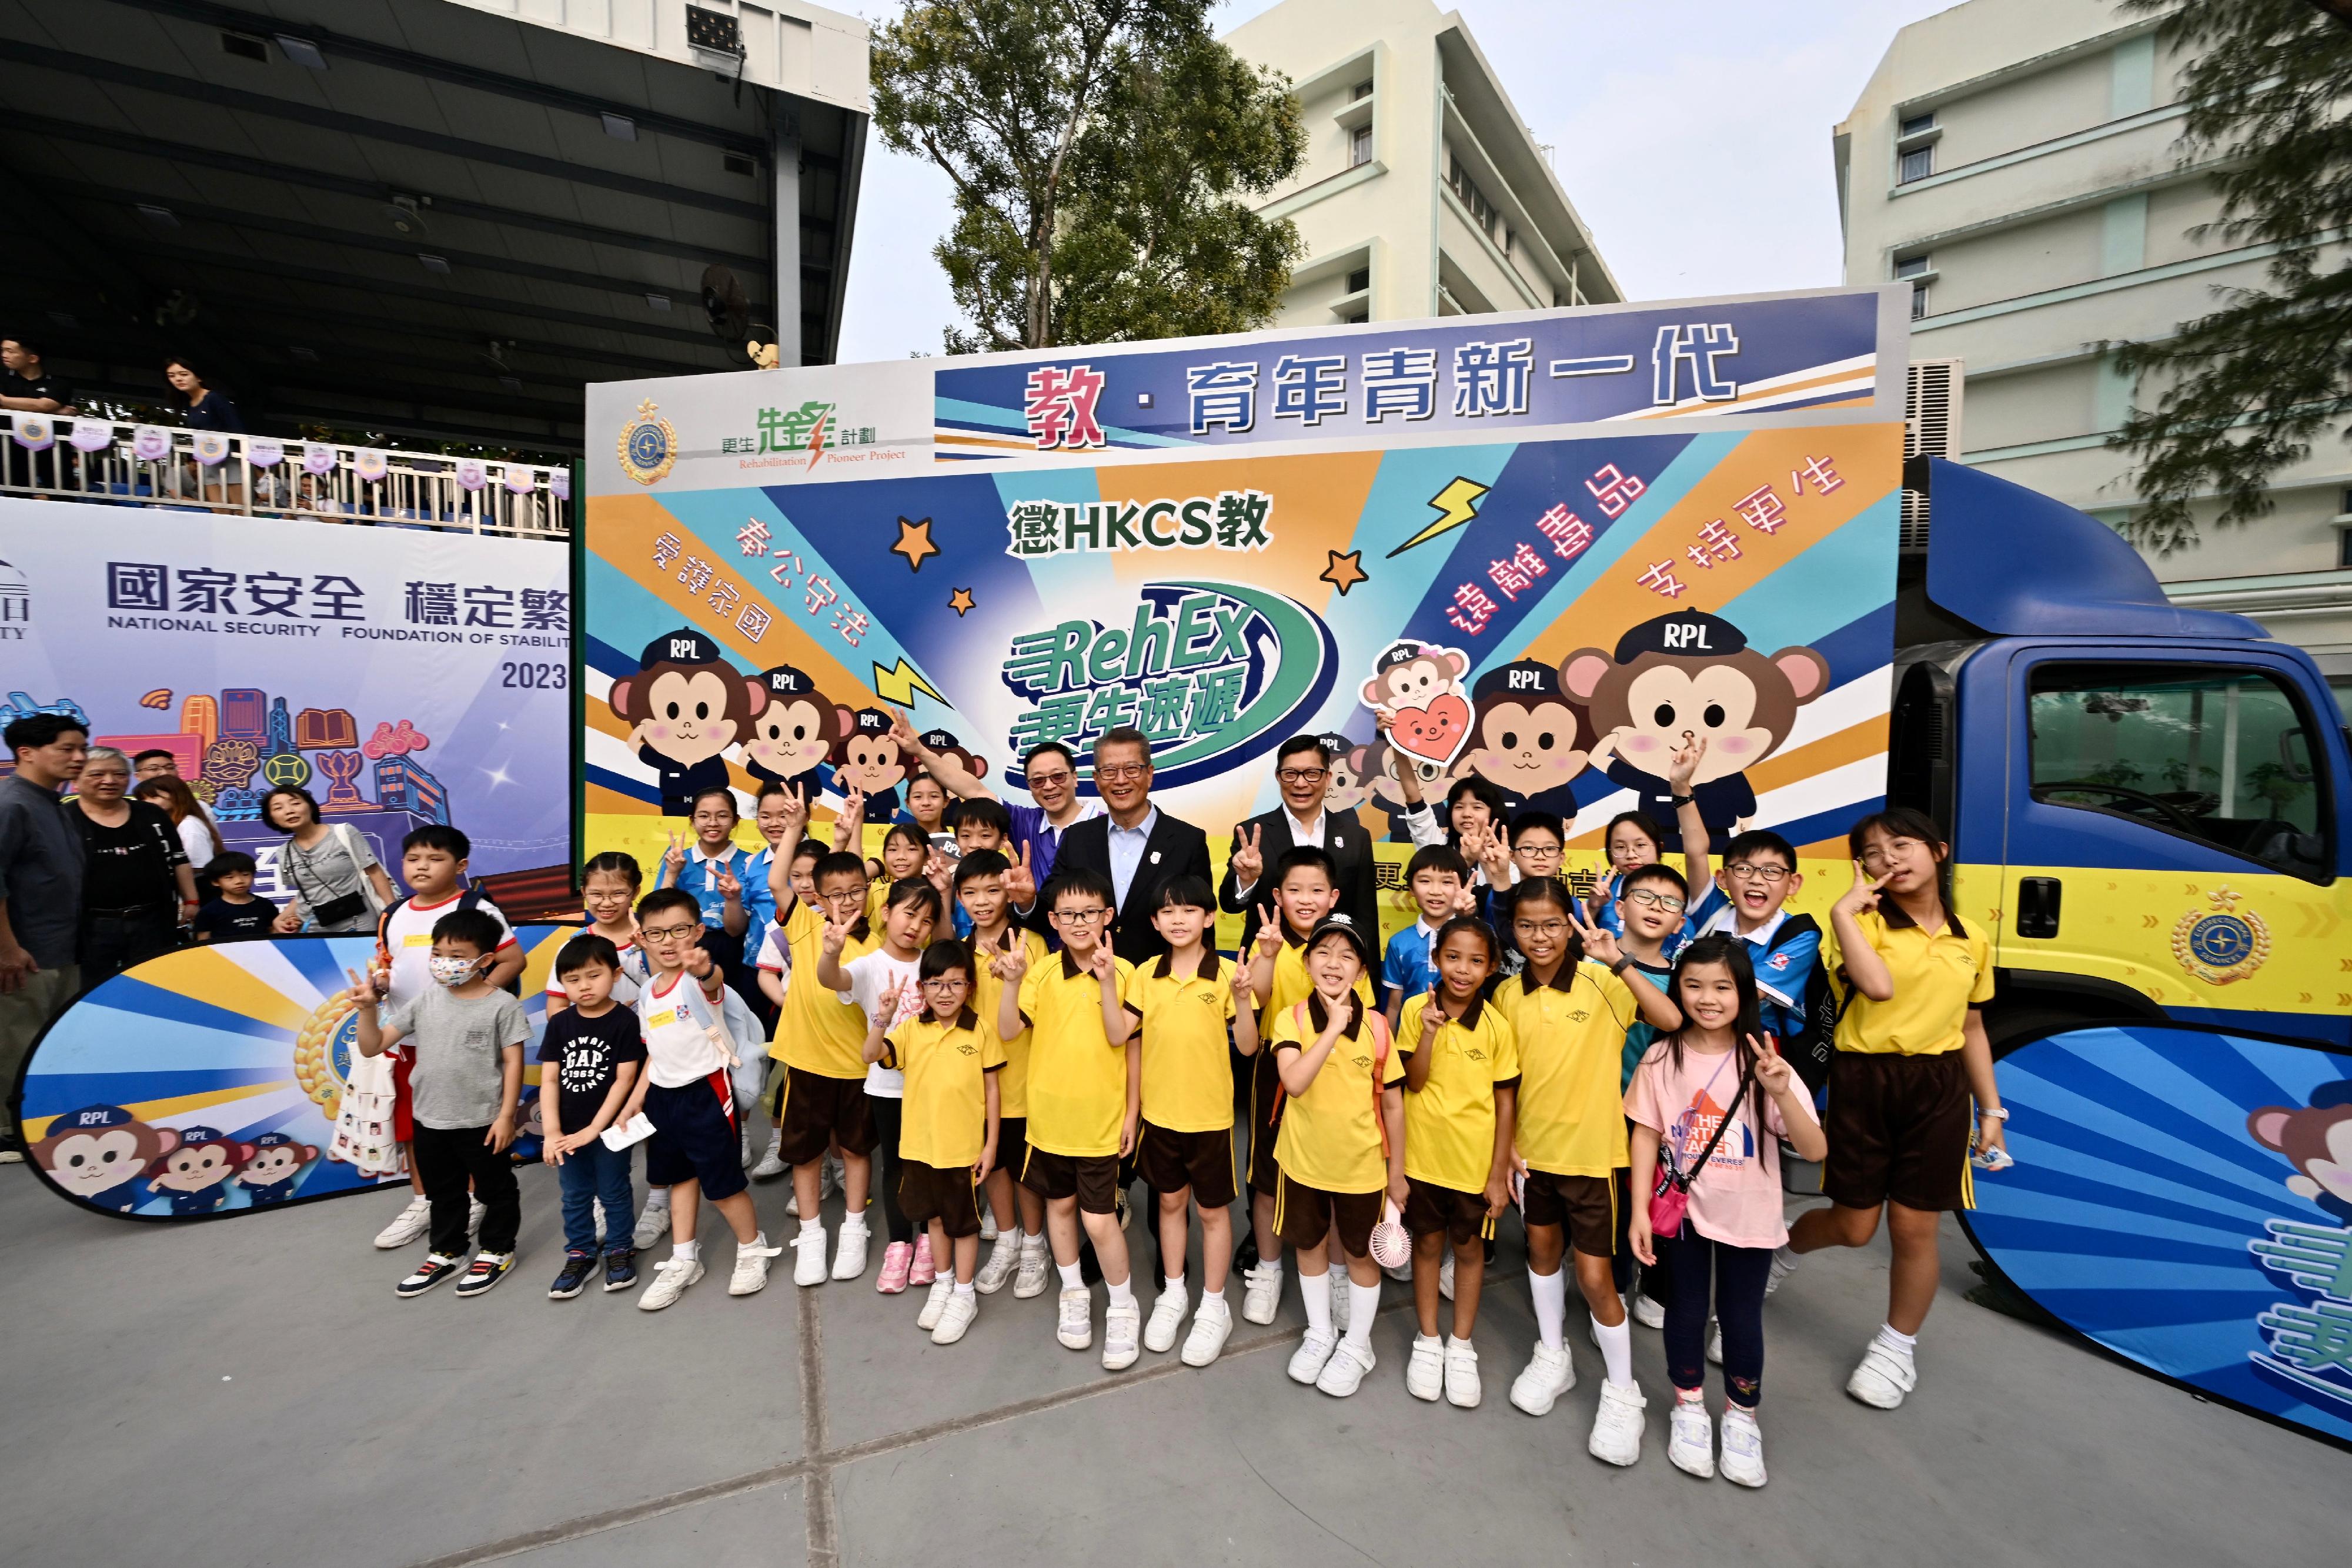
[1362,90]
[1360,146]
[1918,124]
[1911,265]
[1482,211]
[1510,238]
[1918,301]
[1916,164]
[2344,549]
[1359,281]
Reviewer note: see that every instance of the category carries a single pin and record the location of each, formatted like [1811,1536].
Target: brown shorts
[1303,1217]
[930,1192]
[1429,1208]
[1092,1179]
[816,1110]
[1592,1208]
[1898,1131]
[1266,1086]
[1171,1161]
[1011,1145]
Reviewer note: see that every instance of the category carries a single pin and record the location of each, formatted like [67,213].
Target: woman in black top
[139,886]
[204,408]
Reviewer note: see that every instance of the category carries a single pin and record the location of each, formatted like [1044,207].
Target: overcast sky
[1692,135]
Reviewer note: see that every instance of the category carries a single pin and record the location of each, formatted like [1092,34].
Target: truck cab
[2148,804]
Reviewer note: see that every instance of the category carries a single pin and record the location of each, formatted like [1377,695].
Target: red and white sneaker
[897,1265]
[921,1271]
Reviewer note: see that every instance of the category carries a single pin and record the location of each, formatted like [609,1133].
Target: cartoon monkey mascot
[2318,1142]
[101,1155]
[868,758]
[1525,737]
[796,731]
[196,1175]
[1348,787]
[1422,685]
[1685,676]
[273,1166]
[685,706]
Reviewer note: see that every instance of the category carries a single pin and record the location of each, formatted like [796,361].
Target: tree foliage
[2247,388]
[1103,154]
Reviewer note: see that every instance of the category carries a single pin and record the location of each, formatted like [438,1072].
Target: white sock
[1691,1396]
[1315,1290]
[1121,1294]
[1071,1280]
[1455,1340]
[850,1222]
[759,1238]
[1271,1267]
[1430,1340]
[963,1287]
[811,1227]
[689,1251]
[1550,1293]
[1889,1337]
[1363,1306]
[775,1139]
[1032,1243]
[1617,1351]
[1175,1287]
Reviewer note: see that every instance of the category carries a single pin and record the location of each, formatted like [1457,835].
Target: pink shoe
[923,1272]
[897,1258]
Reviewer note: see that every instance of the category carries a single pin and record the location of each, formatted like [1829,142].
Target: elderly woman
[138,887]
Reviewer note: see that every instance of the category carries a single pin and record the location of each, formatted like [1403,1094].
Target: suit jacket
[1175,848]
[1345,838]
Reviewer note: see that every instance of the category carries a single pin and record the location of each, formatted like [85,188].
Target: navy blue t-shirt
[221,921]
[585,1054]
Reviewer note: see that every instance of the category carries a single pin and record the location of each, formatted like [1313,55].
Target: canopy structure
[436,219]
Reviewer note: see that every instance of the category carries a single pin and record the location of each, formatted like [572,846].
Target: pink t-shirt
[1736,1199]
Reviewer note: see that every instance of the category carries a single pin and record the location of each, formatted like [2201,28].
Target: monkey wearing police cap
[685,706]
[1523,737]
[796,731]
[1691,676]
[101,1154]
[868,758]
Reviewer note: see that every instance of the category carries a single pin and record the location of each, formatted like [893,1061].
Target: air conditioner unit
[1931,428]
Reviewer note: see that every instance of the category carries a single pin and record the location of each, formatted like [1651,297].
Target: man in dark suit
[1303,771]
[1134,843]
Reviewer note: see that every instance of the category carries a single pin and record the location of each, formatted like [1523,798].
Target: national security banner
[402,676]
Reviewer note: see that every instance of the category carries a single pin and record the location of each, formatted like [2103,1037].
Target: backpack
[472,898]
[1807,1047]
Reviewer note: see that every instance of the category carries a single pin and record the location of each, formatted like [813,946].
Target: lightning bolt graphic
[1456,504]
[816,438]
[899,684]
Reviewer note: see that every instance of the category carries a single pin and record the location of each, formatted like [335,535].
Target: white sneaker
[832,1176]
[1402,1273]
[1308,1360]
[1885,1377]
[599,1216]
[1212,1324]
[407,1225]
[1617,1425]
[935,1303]
[672,1275]
[999,1268]
[1121,1320]
[653,1220]
[1445,1277]
[1463,1389]
[849,1252]
[808,1269]
[1424,1370]
[1690,1440]
[1743,1448]
[1344,1372]
[1030,1279]
[1167,1317]
[1074,1323]
[752,1261]
[792,1204]
[1339,1277]
[1645,1311]
[1784,1263]
[474,1209]
[1714,1341]
[772,1164]
[1262,1297]
[1549,1375]
[955,1317]
[988,1231]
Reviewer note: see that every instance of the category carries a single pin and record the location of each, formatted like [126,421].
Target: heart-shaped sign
[1434,732]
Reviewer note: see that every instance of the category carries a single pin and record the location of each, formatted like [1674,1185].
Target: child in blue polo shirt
[1439,879]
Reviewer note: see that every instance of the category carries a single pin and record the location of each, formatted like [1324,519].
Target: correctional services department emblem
[2222,943]
[648,447]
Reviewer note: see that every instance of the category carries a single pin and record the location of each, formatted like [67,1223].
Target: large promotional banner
[402,676]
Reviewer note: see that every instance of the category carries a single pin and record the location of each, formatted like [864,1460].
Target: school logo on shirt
[1475,1054]
[1363,1062]
[967,1048]
[1579,1015]
[1777,961]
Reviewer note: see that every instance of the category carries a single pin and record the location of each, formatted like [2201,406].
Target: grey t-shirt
[326,872]
[456,1040]
[41,870]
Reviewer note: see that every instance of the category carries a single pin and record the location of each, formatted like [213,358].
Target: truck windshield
[2220,754]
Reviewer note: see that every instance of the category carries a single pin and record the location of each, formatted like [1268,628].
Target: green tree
[1103,154]
[2246,388]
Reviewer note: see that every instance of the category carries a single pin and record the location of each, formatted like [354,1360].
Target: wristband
[1993,1112]
[1678,802]
[1621,965]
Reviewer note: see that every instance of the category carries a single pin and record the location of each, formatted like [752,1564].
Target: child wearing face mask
[467,1037]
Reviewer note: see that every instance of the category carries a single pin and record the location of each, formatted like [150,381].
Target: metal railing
[75,457]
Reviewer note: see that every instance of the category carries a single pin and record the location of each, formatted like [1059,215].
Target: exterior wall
[2056,218]
[788,45]
[1435,99]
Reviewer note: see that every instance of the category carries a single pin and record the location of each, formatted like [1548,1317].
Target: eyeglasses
[1771,875]
[1059,776]
[1665,901]
[1303,775]
[1121,770]
[1078,916]
[1542,928]
[668,933]
[1538,852]
[945,983]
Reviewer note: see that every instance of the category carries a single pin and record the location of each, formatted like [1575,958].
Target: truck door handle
[2038,900]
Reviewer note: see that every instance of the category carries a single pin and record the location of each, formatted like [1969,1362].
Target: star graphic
[961,602]
[1345,570]
[915,543]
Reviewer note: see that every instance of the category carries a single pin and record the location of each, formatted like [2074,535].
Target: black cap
[1686,633]
[1397,653]
[1335,921]
[941,740]
[684,646]
[873,721]
[273,1140]
[1519,678]
[784,680]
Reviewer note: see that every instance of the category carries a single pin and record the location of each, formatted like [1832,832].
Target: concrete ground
[249,1391]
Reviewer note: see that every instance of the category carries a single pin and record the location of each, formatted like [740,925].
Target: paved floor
[249,1391]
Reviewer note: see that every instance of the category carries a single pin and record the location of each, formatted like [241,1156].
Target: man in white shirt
[1302,770]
